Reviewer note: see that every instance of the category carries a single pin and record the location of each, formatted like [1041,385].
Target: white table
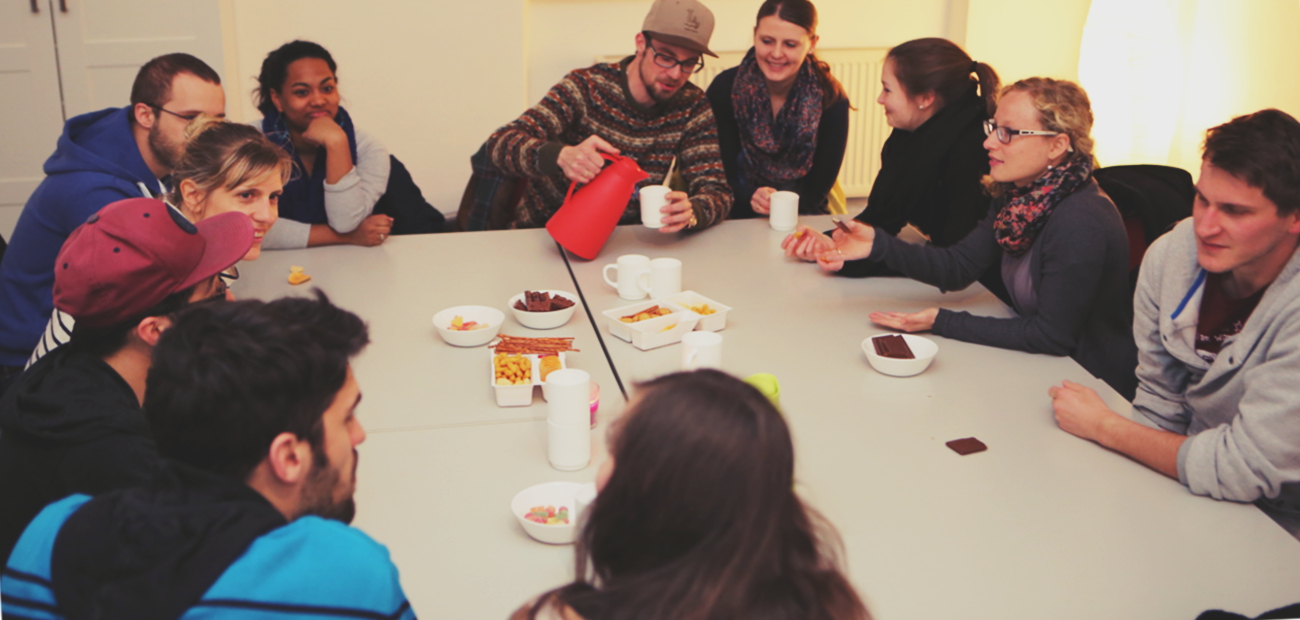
[1041,525]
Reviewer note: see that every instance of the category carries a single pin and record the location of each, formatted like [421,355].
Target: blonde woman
[1052,246]
[225,167]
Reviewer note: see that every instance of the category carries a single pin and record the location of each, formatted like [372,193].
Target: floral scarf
[776,151]
[1027,208]
[303,199]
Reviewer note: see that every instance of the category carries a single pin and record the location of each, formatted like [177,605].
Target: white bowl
[923,348]
[548,494]
[544,320]
[473,338]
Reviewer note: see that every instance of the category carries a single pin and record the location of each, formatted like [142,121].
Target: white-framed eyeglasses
[1006,133]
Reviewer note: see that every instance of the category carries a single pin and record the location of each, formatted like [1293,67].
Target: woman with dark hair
[697,517]
[342,171]
[936,98]
[783,119]
[1052,245]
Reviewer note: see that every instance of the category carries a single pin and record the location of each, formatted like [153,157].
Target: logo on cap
[692,24]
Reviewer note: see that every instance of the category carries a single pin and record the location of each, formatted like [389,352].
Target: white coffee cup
[785,211]
[568,397]
[568,446]
[629,267]
[663,279]
[653,197]
[701,350]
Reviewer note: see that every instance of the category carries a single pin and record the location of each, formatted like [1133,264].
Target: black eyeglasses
[186,117]
[1006,133]
[668,62]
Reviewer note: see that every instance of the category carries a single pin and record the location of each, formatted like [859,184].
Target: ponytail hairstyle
[699,519]
[802,13]
[275,70]
[939,66]
[219,153]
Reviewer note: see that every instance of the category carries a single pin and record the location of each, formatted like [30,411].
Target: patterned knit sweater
[596,101]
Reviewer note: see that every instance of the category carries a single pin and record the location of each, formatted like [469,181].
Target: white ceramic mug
[629,267]
[785,211]
[663,279]
[653,198]
[701,350]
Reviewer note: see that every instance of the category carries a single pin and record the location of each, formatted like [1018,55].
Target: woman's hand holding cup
[762,200]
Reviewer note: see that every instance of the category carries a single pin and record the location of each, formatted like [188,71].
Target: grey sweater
[1241,413]
[1079,269]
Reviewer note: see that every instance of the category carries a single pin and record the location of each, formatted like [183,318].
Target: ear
[926,100]
[191,200]
[275,100]
[640,43]
[812,43]
[1293,222]
[144,115]
[289,458]
[151,328]
[1060,146]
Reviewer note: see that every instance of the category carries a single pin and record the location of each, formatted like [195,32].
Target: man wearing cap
[642,108]
[101,157]
[73,422]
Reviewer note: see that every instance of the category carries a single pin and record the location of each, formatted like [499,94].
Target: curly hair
[1062,106]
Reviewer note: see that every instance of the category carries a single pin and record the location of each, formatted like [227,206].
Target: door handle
[36,8]
[63,6]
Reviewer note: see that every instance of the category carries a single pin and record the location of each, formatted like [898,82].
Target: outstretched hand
[908,322]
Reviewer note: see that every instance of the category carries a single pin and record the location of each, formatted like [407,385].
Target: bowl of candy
[547,511]
[543,309]
[899,355]
[468,326]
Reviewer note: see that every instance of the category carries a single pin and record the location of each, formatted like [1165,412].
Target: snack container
[544,320]
[923,348]
[555,494]
[519,395]
[715,322]
[652,333]
[473,338]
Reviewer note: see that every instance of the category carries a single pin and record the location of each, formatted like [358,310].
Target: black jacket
[930,178]
[70,424]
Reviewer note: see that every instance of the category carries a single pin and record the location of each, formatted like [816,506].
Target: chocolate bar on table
[893,346]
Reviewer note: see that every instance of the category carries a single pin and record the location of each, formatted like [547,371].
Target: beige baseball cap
[685,23]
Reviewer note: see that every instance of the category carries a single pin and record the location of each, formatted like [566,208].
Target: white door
[102,44]
[31,115]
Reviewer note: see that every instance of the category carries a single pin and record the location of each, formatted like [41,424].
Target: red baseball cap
[134,253]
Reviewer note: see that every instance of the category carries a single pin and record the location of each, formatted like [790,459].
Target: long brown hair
[699,519]
[802,13]
[939,66]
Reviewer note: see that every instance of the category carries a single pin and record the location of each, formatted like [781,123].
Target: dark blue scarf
[303,199]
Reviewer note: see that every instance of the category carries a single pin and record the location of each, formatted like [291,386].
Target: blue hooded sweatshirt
[97,162]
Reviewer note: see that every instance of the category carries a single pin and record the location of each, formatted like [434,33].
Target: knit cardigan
[596,101]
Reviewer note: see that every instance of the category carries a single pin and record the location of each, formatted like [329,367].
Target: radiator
[859,71]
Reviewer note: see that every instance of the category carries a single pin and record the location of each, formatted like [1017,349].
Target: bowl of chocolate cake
[899,355]
[543,309]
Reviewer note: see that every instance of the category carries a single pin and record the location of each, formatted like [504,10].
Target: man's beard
[651,87]
[167,154]
[318,494]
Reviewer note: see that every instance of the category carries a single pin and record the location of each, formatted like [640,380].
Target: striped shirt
[596,101]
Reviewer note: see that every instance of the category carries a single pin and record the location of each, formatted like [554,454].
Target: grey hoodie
[1241,413]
